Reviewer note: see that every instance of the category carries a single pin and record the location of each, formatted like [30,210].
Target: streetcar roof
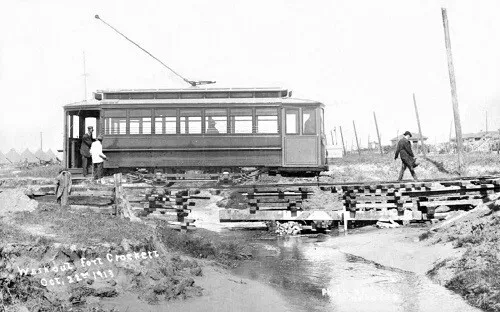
[212,96]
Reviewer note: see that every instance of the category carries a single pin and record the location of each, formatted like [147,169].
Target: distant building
[483,135]
[483,141]
[415,138]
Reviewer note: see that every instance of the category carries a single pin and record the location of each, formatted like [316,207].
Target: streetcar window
[190,121]
[140,121]
[114,125]
[159,125]
[140,96]
[241,94]
[146,125]
[165,95]
[192,95]
[267,120]
[264,94]
[292,121]
[166,121]
[241,120]
[308,121]
[134,125]
[215,121]
[216,95]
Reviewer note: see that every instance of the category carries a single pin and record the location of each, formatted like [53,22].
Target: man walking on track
[85,150]
[407,158]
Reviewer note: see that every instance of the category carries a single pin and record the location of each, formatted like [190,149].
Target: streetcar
[208,129]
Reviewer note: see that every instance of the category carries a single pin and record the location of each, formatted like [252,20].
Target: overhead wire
[192,83]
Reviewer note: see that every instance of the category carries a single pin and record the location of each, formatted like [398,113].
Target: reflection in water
[316,277]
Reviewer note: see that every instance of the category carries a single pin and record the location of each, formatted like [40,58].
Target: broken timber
[412,201]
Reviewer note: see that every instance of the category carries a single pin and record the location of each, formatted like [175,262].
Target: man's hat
[99,137]
[90,127]
[407,133]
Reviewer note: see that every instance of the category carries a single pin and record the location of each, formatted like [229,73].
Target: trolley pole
[419,128]
[378,134]
[342,138]
[356,135]
[84,77]
[454,99]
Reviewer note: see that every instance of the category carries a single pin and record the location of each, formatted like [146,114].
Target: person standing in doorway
[97,158]
[403,150]
[85,150]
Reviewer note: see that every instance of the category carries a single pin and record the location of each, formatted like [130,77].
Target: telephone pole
[356,134]
[378,134]
[454,98]
[342,138]
[419,128]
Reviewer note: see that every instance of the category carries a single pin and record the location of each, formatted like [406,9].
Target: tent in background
[13,156]
[3,160]
[51,155]
[27,155]
[41,155]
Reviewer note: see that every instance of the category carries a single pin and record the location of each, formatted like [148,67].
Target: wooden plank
[98,209]
[383,205]
[238,215]
[374,215]
[473,202]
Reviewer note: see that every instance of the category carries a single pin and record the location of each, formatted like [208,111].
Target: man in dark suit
[85,150]
[406,154]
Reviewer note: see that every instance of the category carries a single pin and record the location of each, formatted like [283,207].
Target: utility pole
[356,135]
[41,142]
[378,134]
[342,137]
[454,99]
[419,128]
[498,148]
[486,121]
[84,77]
[451,127]
[331,134]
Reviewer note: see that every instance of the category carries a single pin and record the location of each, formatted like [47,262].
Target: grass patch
[376,167]
[424,236]
[85,227]
[477,272]
[50,171]
[480,287]
[202,244]
[13,234]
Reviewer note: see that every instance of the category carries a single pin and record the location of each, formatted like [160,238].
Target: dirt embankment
[475,274]
[41,276]
[463,256]
[53,259]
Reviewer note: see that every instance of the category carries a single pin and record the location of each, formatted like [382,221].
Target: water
[314,276]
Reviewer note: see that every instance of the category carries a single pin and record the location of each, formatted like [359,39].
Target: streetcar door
[300,137]
[76,123]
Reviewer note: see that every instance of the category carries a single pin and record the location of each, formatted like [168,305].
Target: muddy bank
[475,274]
[53,258]
[399,248]
[462,256]
[44,277]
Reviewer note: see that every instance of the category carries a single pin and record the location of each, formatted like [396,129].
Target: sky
[355,56]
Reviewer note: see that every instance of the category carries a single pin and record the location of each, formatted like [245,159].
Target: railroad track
[363,201]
